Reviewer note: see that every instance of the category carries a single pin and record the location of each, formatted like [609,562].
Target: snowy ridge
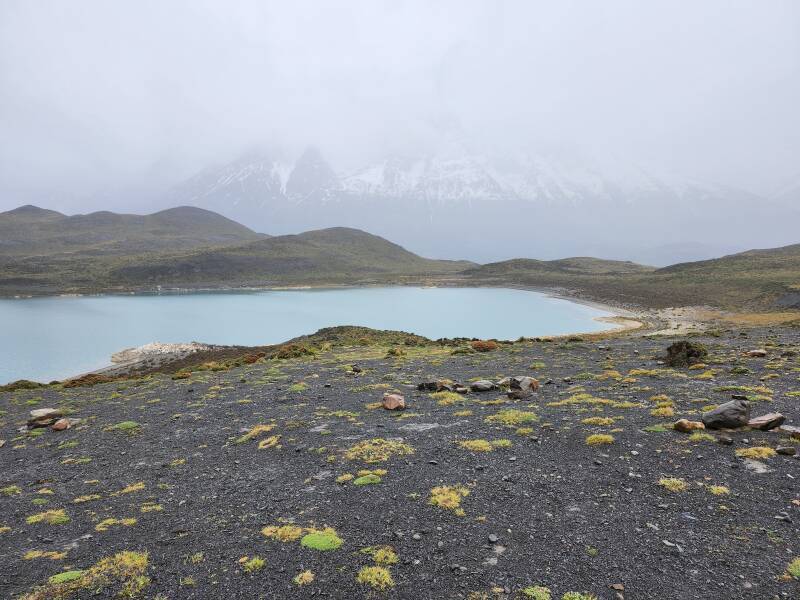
[442,180]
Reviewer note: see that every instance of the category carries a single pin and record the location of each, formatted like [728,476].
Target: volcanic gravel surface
[178,472]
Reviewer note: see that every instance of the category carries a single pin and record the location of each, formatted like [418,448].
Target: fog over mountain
[658,131]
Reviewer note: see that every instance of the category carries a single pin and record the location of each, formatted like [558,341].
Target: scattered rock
[767,422]
[60,425]
[792,430]
[42,417]
[483,385]
[685,354]
[758,353]
[521,387]
[435,386]
[393,402]
[725,440]
[733,414]
[786,450]
[41,413]
[493,538]
[756,466]
[2,443]
[685,425]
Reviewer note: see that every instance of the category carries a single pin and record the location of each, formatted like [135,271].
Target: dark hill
[756,279]
[336,255]
[32,231]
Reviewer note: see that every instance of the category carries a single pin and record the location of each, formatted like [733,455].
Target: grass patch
[283,533]
[378,578]
[663,411]
[270,442]
[757,452]
[512,417]
[51,517]
[127,569]
[323,540]
[65,577]
[304,578]
[254,433]
[599,439]
[484,445]
[537,592]
[794,568]
[377,450]
[673,484]
[107,524]
[126,426]
[368,479]
[251,565]
[598,421]
[446,398]
[449,497]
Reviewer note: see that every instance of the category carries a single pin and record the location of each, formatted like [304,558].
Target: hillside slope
[33,231]
[45,252]
[330,255]
[756,279]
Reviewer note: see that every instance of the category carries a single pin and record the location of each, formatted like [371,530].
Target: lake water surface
[52,338]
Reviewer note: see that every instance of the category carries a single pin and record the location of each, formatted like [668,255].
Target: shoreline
[623,320]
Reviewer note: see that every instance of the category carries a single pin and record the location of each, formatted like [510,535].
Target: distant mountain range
[456,203]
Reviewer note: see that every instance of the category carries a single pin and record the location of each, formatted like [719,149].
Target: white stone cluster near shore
[156,349]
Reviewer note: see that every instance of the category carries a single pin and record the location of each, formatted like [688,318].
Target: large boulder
[792,430]
[61,425]
[42,417]
[767,421]
[730,415]
[393,402]
[482,385]
[521,387]
[686,426]
[685,354]
[435,386]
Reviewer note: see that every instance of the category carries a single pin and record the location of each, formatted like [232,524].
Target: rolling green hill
[32,231]
[335,255]
[46,252]
[756,279]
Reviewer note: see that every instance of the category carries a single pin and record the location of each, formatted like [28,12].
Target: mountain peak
[29,211]
[312,178]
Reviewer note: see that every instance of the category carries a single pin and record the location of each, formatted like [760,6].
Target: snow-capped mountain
[543,205]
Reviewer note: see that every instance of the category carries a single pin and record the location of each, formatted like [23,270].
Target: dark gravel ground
[549,510]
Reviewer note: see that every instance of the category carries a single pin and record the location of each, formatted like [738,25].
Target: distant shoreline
[621,320]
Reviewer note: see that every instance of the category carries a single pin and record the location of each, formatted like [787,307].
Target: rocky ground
[286,478]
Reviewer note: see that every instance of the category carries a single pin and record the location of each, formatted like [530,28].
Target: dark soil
[549,510]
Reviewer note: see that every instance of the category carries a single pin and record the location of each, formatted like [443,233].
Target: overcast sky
[98,95]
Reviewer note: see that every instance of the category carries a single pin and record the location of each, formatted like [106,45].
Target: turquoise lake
[53,338]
